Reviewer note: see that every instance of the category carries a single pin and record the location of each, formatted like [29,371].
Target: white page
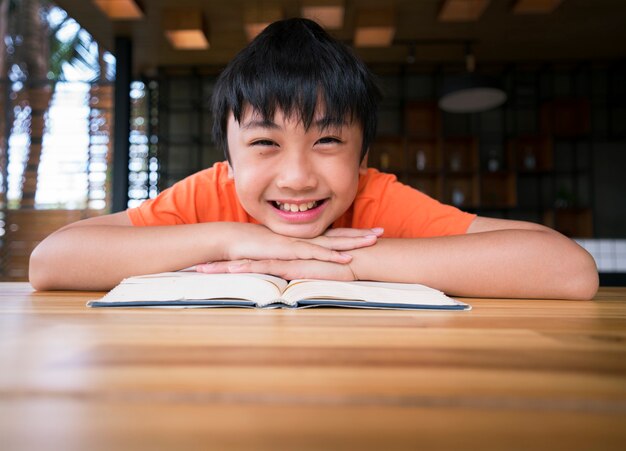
[182,286]
[390,293]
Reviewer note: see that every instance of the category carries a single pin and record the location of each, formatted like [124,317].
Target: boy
[295,113]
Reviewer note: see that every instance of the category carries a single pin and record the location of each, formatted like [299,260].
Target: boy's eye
[328,140]
[263,142]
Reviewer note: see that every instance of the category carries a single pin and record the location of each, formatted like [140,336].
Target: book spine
[275,301]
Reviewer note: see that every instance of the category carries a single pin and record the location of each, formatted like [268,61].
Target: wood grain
[510,374]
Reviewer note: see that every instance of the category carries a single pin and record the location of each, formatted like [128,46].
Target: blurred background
[507,108]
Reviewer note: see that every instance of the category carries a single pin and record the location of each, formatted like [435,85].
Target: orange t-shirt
[381,201]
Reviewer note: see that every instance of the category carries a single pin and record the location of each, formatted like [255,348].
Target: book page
[380,292]
[188,285]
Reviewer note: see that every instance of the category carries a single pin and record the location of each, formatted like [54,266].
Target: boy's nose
[296,172]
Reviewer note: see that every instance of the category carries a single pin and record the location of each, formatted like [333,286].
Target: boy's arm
[495,258]
[97,253]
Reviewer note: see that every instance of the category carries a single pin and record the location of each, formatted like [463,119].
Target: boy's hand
[286,269]
[257,242]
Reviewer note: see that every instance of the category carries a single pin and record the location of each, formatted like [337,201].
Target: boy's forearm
[503,263]
[97,257]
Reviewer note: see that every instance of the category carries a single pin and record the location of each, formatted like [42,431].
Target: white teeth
[295,207]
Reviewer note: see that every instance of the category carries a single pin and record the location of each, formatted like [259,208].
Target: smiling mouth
[295,208]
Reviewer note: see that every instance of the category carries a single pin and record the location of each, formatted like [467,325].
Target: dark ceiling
[578,30]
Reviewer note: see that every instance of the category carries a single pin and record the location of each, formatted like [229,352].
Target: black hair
[291,66]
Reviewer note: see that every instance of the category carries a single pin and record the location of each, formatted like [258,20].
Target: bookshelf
[529,160]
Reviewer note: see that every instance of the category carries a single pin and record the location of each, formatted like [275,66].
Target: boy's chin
[303,231]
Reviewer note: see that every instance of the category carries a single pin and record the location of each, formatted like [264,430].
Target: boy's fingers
[321,248]
[275,267]
[299,250]
[296,269]
[308,251]
[345,243]
[349,232]
[217,267]
[209,268]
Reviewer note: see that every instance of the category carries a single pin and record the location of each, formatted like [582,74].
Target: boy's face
[296,182]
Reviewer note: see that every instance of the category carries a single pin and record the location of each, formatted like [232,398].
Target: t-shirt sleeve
[405,212]
[175,205]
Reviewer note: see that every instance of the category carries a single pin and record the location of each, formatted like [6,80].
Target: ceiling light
[462,10]
[186,29]
[375,28]
[329,14]
[535,6]
[256,19]
[120,9]
[470,92]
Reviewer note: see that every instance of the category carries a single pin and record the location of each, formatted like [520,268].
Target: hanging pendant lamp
[470,92]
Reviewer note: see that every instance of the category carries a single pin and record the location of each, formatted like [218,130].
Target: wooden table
[510,374]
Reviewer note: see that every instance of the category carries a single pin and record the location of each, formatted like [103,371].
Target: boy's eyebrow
[329,122]
[321,123]
[259,123]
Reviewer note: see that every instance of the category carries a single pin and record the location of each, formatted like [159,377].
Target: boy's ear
[363,165]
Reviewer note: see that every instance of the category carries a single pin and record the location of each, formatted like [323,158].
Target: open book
[192,289]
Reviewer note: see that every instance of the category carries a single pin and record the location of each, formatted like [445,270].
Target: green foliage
[75,51]
[78,48]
